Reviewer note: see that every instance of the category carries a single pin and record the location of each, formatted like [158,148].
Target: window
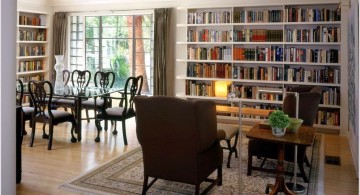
[119,43]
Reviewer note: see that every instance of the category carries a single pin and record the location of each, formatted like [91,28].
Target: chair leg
[115,131]
[235,144]
[87,115]
[146,178]
[32,134]
[249,166]
[197,189]
[73,125]
[51,129]
[98,127]
[230,153]
[219,175]
[124,131]
[302,171]
[45,136]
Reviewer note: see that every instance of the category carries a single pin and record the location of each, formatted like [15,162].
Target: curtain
[163,53]
[59,39]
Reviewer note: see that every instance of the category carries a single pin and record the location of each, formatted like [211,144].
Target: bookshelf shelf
[270,47]
[33,50]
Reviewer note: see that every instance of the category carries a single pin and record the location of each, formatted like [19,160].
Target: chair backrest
[19,92]
[41,93]
[104,79]
[80,78]
[131,89]
[308,104]
[66,76]
[173,132]
[140,81]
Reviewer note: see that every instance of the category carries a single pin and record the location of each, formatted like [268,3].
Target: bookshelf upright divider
[253,48]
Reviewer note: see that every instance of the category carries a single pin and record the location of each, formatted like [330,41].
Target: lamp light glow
[221,88]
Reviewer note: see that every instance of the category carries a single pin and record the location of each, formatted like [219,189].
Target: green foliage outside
[279,119]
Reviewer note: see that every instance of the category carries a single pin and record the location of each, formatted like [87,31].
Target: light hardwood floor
[44,171]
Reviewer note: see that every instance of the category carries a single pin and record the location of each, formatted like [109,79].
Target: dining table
[80,94]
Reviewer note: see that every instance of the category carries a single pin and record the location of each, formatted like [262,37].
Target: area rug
[124,175]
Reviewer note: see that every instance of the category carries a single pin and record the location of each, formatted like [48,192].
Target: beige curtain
[163,53]
[59,39]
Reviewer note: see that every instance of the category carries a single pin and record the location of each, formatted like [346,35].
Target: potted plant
[278,121]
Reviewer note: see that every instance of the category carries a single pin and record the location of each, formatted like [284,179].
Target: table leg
[280,178]
[78,116]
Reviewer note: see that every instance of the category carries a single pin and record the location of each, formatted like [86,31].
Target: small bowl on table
[295,123]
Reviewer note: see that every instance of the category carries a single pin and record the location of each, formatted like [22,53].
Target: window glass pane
[92,27]
[145,23]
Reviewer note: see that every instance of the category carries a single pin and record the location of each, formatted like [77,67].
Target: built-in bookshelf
[257,48]
[32,46]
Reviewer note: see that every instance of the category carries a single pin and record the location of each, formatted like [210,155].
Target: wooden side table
[305,137]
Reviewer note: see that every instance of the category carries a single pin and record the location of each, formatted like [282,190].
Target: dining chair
[27,111]
[102,80]
[124,111]
[80,79]
[39,90]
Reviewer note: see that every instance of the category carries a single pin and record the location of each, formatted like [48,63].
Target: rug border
[69,187]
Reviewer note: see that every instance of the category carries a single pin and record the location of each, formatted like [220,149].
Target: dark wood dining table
[79,95]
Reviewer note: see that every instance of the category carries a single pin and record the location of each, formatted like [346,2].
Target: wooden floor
[44,171]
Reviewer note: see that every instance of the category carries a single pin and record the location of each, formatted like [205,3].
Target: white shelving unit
[33,35]
[330,63]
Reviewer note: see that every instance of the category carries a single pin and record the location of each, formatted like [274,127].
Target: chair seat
[91,103]
[230,130]
[28,110]
[112,112]
[66,101]
[58,114]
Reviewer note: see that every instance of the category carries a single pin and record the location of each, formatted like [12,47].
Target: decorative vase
[278,132]
[59,67]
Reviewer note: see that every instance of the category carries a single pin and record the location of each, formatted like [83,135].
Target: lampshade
[221,88]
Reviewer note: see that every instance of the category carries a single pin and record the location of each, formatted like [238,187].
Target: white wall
[7,96]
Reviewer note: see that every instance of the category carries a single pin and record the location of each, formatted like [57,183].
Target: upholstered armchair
[179,140]
[309,99]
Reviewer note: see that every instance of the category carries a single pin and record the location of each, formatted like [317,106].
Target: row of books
[328,117]
[39,35]
[205,70]
[195,88]
[318,34]
[34,21]
[331,96]
[26,79]
[289,14]
[216,53]
[293,14]
[29,50]
[30,65]
[272,53]
[206,35]
[209,17]
[254,92]
[258,73]
[324,75]
[294,54]
[258,35]
[262,16]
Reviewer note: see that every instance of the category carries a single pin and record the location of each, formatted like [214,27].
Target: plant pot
[278,132]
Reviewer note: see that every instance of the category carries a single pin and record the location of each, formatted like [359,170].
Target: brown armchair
[179,139]
[309,99]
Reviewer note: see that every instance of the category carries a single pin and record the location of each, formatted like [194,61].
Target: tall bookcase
[254,49]
[32,59]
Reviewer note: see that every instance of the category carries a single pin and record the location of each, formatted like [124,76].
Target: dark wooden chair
[179,140]
[124,111]
[309,99]
[27,111]
[39,91]
[103,80]
[80,79]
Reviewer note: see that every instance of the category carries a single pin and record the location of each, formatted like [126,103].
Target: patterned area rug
[124,175]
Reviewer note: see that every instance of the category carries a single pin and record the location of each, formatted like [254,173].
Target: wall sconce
[221,88]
